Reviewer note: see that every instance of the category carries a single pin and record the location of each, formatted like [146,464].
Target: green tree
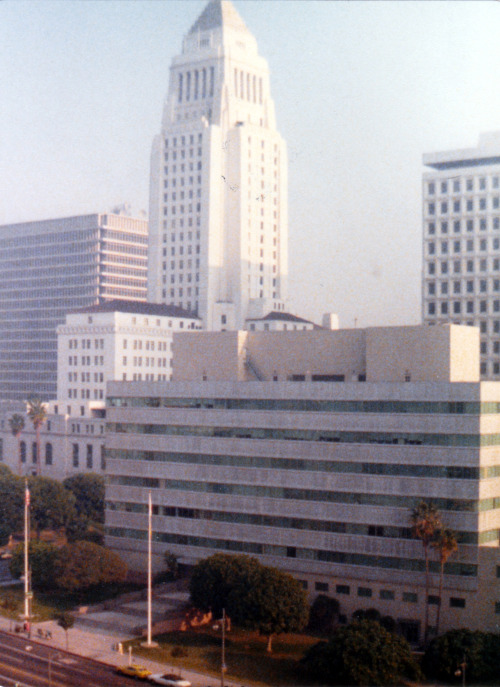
[213,579]
[83,565]
[482,656]
[52,506]
[37,413]
[445,543]
[66,621]
[323,614]
[11,504]
[42,558]
[269,601]
[16,424]
[88,490]
[362,653]
[425,521]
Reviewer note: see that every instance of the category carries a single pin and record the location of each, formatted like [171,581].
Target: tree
[66,621]
[51,506]
[425,521]
[213,579]
[269,601]
[11,504]
[16,424]
[362,653]
[254,596]
[88,490]
[323,614]
[42,559]
[482,655]
[37,413]
[83,565]
[445,543]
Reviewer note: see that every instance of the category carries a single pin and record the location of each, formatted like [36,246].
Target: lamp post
[461,670]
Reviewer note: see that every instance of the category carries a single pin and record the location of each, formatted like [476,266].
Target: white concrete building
[116,340]
[218,191]
[461,243]
[315,468]
[47,269]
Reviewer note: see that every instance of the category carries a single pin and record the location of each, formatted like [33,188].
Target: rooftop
[139,308]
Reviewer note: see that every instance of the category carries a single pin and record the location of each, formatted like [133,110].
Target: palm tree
[16,424]
[445,543]
[425,521]
[37,413]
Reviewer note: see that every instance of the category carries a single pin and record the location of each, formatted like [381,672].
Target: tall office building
[461,243]
[218,193]
[49,268]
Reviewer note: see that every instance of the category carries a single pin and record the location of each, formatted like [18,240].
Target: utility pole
[27,593]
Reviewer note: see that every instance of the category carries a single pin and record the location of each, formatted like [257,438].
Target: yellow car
[134,670]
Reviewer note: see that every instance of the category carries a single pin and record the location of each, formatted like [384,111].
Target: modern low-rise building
[315,468]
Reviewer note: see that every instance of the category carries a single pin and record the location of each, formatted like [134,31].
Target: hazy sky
[361,89]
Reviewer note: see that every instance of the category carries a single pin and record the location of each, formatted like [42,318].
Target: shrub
[446,652]
[361,654]
[323,614]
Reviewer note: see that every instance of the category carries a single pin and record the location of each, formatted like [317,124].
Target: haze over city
[361,91]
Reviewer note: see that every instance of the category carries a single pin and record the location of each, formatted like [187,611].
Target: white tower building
[218,192]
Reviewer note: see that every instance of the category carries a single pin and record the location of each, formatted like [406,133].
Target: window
[76,451]
[33,452]
[365,592]
[321,586]
[433,600]
[431,188]
[387,594]
[90,460]
[410,597]
[23,451]
[456,602]
[48,454]
[346,590]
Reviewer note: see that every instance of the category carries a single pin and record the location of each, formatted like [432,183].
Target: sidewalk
[101,646]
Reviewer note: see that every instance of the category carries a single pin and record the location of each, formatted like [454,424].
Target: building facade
[218,191]
[49,268]
[461,243]
[315,469]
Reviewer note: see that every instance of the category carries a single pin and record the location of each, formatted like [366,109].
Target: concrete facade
[461,243]
[318,477]
[218,190]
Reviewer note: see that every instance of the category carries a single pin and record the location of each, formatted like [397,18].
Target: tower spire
[218,14]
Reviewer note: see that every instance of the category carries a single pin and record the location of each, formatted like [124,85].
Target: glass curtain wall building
[50,268]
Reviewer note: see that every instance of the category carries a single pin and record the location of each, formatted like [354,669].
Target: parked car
[134,670]
[169,679]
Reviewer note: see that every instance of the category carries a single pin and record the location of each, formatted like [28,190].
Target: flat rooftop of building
[139,308]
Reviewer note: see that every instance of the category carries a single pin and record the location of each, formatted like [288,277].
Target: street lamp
[461,670]
[223,646]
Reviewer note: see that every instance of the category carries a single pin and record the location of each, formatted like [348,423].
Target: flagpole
[150,532]
[26,561]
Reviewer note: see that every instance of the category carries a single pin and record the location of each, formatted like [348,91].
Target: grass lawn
[246,655]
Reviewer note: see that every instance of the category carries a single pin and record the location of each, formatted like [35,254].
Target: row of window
[305,464]
[339,557]
[314,495]
[458,246]
[334,436]
[150,345]
[470,265]
[85,377]
[466,205]
[388,594]
[182,154]
[284,522]
[86,360]
[182,209]
[87,394]
[457,185]
[308,405]
[148,361]
[469,286]
[468,307]
[469,225]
